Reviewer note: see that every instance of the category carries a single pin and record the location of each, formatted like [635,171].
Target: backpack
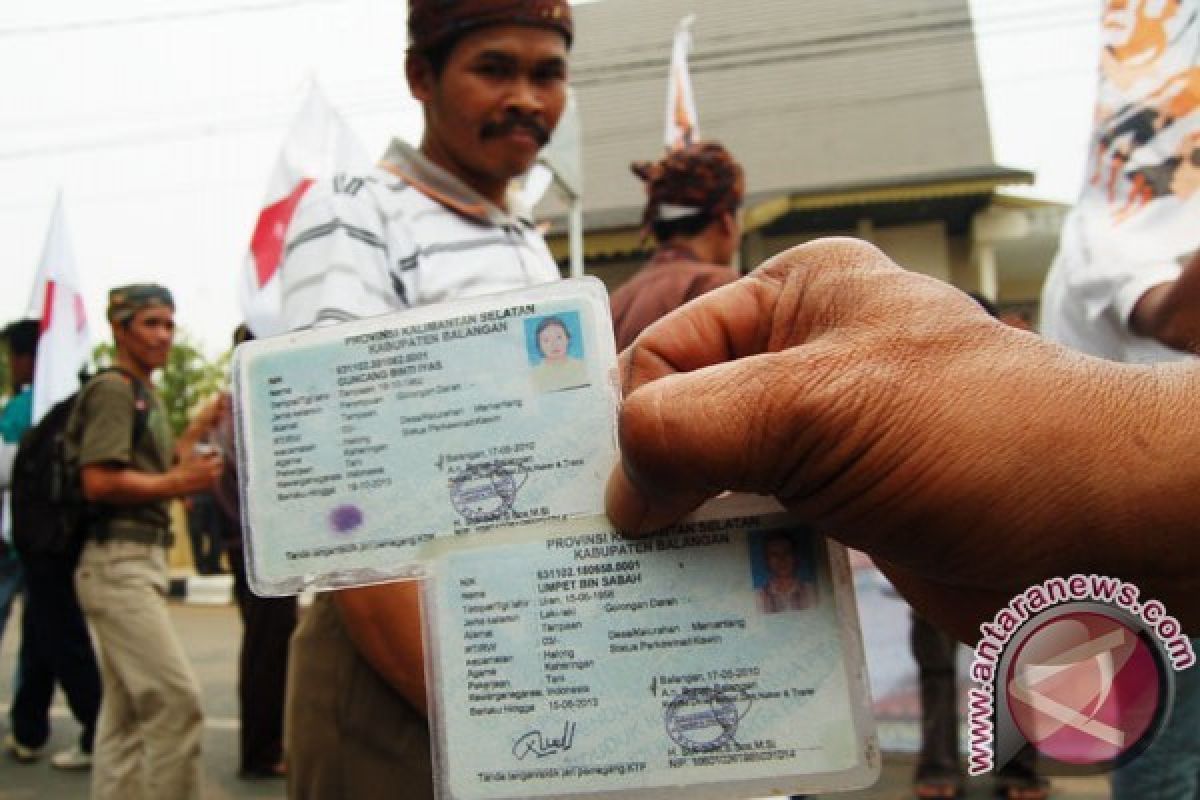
[50,515]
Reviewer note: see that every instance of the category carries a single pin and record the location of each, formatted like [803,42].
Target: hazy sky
[161,122]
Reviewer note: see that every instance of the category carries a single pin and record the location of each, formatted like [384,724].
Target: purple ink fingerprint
[345,518]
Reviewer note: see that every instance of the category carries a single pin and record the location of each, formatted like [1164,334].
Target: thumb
[689,436]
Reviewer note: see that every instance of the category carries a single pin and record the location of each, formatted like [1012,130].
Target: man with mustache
[429,225]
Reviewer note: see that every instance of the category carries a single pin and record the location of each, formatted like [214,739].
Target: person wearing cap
[429,225]
[151,724]
[692,201]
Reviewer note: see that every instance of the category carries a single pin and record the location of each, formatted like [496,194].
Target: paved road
[211,636]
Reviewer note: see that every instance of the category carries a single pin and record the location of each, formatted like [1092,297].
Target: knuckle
[822,255]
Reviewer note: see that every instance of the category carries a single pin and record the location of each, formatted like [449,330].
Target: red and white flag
[65,344]
[318,144]
[683,123]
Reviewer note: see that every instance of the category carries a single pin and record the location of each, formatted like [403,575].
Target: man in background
[267,624]
[692,201]
[148,741]
[430,225]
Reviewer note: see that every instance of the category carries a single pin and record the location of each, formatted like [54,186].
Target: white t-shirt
[1137,220]
[408,234]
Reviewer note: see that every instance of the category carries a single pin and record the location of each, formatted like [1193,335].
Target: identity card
[720,659]
[359,443]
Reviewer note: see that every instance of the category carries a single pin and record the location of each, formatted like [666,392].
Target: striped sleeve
[335,263]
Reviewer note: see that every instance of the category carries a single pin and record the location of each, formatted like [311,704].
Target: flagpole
[575,236]
[563,157]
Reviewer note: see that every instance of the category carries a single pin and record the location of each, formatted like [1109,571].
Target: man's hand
[968,458]
[1170,312]
[210,411]
[203,422]
[197,473]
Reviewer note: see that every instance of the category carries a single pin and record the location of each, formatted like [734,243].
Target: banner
[319,144]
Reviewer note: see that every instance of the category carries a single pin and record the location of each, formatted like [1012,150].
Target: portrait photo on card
[783,571]
[556,350]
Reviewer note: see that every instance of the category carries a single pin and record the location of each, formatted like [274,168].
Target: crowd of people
[92,558]
[842,382]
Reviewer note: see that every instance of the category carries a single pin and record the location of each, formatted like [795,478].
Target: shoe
[72,758]
[19,752]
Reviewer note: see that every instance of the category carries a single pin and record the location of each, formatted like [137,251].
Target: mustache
[512,122]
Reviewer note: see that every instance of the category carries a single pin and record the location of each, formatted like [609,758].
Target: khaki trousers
[151,725]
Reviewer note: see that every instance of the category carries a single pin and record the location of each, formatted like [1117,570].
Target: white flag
[318,145]
[683,123]
[64,346]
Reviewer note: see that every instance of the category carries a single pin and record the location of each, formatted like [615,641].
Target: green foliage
[103,355]
[188,379]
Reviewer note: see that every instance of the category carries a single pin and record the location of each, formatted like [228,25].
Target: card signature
[540,745]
